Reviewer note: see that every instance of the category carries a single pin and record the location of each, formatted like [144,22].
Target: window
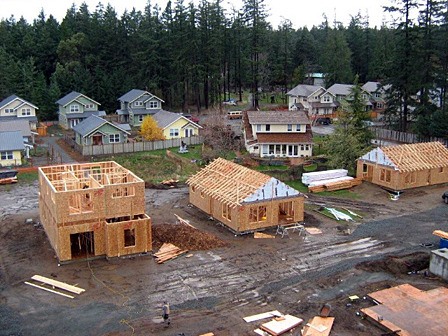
[153,104]
[89,106]
[410,178]
[129,237]
[26,111]
[80,203]
[9,110]
[379,105]
[174,132]
[138,103]
[258,128]
[326,99]
[257,214]
[377,95]
[114,138]
[385,175]
[268,128]
[74,108]
[123,192]
[227,211]
[440,169]
[202,194]
[140,118]
[298,128]
[289,128]
[7,155]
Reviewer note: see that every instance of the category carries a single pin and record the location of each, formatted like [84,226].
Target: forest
[194,57]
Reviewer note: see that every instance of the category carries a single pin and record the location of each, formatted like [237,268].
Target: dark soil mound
[184,236]
[398,264]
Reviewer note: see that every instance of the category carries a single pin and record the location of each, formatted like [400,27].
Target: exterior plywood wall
[239,218]
[398,180]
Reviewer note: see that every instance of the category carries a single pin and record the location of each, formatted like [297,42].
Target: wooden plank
[207,334]
[313,230]
[49,290]
[280,327]
[262,235]
[319,326]
[262,316]
[59,284]
[441,234]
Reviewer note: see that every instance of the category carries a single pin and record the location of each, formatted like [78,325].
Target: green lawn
[27,178]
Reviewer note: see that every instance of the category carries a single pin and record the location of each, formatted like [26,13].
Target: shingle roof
[92,123]
[165,118]
[371,86]
[285,138]
[303,90]
[10,141]
[234,184]
[410,157]
[16,125]
[340,89]
[71,97]
[11,98]
[134,94]
[278,117]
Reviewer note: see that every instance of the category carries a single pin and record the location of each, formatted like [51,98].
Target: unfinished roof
[410,157]
[77,176]
[234,184]
[278,117]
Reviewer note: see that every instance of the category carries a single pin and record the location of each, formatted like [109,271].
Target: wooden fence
[131,147]
[403,137]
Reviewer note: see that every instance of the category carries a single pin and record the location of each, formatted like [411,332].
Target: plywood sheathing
[82,198]
[411,311]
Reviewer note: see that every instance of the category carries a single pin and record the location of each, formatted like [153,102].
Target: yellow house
[11,148]
[175,125]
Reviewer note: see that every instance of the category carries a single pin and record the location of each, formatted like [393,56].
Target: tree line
[193,57]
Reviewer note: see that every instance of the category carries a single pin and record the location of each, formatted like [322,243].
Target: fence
[132,147]
[403,137]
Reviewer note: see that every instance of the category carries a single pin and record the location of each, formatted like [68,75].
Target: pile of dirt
[184,236]
[398,264]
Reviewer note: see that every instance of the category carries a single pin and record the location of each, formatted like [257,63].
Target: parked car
[234,114]
[445,197]
[192,118]
[231,102]
[323,121]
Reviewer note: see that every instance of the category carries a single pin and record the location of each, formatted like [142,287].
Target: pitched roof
[10,141]
[410,157]
[16,125]
[92,123]
[277,117]
[303,90]
[135,94]
[67,99]
[371,86]
[340,89]
[165,118]
[234,184]
[11,98]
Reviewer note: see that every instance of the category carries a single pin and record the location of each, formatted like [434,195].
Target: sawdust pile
[185,237]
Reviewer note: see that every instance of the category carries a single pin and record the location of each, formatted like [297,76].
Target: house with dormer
[136,104]
[278,134]
[76,107]
[377,97]
[343,92]
[16,108]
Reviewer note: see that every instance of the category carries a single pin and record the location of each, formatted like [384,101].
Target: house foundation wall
[438,264]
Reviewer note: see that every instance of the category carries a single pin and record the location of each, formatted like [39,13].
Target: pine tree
[150,131]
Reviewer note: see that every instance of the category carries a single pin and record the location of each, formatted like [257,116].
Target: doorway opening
[82,245]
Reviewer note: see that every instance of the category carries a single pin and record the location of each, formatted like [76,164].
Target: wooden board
[280,327]
[313,230]
[50,290]
[262,235]
[319,326]
[261,316]
[59,284]
[441,234]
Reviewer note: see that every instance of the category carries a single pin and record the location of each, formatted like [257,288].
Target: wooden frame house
[243,199]
[405,166]
[93,209]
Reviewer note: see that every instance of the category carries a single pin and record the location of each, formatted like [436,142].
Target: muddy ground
[212,290]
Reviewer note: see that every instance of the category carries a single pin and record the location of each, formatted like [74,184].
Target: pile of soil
[398,264]
[184,236]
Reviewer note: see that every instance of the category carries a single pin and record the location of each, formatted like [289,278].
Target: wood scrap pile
[278,325]
[167,252]
[338,185]
[170,183]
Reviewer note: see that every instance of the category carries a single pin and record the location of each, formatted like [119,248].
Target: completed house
[278,134]
[175,125]
[98,131]
[16,108]
[75,107]
[405,166]
[136,105]
[344,92]
[377,97]
[11,148]
[19,125]
[243,199]
[93,209]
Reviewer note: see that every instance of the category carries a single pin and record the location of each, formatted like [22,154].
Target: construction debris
[318,326]
[281,325]
[313,178]
[252,318]
[167,252]
[441,234]
[43,282]
[8,176]
[313,230]
[330,185]
[262,235]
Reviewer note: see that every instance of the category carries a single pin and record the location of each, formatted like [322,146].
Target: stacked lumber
[309,178]
[167,252]
[332,186]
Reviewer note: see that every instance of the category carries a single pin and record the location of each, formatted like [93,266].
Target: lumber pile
[310,178]
[338,185]
[54,286]
[441,234]
[167,252]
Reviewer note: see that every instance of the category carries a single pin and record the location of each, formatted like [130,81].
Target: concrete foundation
[438,264]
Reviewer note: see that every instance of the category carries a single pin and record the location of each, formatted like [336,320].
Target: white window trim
[153,104]
[113,139]
[9,110]
[74,108]
[7,155]
[137,103]
[174,132]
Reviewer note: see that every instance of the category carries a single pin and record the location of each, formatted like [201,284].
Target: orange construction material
[318,326]
[441,234]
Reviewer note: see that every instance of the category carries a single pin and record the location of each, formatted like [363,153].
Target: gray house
[136,105]
[11,148]
[16,108]
[19,125]
[76,107]
[98,131]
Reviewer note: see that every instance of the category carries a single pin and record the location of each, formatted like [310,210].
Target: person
[166,313]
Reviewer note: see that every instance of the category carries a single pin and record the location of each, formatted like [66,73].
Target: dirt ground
[226,277]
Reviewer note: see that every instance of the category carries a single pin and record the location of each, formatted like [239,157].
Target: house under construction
[93,209]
